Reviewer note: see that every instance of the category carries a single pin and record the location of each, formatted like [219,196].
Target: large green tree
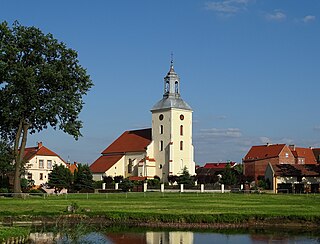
[82,178]
[6,166]
[60,177]
[41,84]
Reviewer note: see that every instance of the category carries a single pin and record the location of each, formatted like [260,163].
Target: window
[167,88]
[161,145]
[49,164]
[29,176]
[182,117]
[161,129]
[181,145]
[287,155]
[181,130]
[41,176]
[41,165]
[161,117]
[176,87]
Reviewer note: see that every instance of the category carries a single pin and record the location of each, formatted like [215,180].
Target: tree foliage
[60,177]
[41,85]
[185,178]
[82,178]
[229,177]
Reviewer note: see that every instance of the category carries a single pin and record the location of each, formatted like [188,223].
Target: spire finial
[171,58]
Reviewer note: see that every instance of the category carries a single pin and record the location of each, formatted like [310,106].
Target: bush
[97,184]
[35,191]
[126,185]
[4,190]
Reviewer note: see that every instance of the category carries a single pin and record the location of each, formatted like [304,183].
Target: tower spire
[171,62]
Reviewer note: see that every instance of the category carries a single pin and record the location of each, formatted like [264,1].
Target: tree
[60,177]
[126,185]
[228,176]
[41,85]
[185,178]
[82,178]
[6,165]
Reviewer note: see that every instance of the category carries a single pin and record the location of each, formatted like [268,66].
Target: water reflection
[169,237]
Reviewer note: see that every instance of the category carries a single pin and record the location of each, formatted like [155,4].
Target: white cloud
[309,18]
[316,128]
[214,133]
[276,15]
[227,7]
[265,140]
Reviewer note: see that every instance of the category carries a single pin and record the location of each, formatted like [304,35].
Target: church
[163,150]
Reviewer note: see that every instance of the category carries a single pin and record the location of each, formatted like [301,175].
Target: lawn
[170,207]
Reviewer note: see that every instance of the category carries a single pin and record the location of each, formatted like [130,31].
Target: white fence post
[222,188]
[116,186]
[162,187]
[103,186]
[181,187]
[202,188]
[145,186]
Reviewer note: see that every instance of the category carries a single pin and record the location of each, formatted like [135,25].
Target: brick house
[258,158]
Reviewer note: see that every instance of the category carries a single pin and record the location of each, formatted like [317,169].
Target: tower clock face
[182,117]
[161,116]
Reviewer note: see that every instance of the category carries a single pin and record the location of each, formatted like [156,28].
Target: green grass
[12,232]
[171,207]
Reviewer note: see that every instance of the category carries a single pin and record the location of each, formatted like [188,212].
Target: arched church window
[181,130]
[176,87]
[181,145]
[161,129]
[161,146]
[167,87]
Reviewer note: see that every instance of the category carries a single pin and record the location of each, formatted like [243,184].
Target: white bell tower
[172,130]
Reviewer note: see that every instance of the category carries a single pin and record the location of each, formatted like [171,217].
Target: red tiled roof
[130,141]
[31,152]
[264,151]
[104,162]
[137,178]
[72,167]
[316,152]
[306,153]
[296,169]
[218,165]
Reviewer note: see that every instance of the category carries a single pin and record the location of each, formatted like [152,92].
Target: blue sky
[249,69]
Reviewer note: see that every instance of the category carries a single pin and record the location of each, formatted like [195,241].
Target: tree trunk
[19,157]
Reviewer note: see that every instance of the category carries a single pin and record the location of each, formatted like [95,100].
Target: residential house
[258,158]
[39,163]
[303,155]
[298,178]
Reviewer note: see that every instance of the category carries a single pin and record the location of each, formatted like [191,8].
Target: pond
[122,235]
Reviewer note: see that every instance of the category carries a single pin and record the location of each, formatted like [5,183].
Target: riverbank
[172,210]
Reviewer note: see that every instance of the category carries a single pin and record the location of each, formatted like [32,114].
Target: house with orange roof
[257,159]
[164,149]
[316,153]
[39,163]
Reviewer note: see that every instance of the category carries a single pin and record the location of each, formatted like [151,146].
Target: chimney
[39,144]
[292,147]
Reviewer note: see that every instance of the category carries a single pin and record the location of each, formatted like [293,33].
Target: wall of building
[39,168]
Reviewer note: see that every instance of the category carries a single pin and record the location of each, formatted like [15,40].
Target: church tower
[172,130]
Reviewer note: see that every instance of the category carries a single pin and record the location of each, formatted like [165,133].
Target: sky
[248,68]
